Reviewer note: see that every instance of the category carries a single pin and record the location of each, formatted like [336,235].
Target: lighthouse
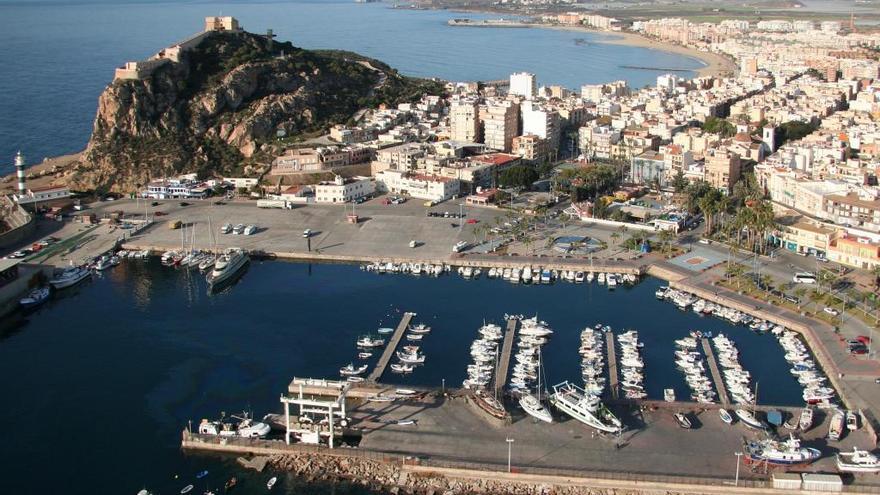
[19,171]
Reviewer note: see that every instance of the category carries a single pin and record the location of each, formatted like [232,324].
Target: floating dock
[503,363]
[716,375]
[612,365]
[390,348]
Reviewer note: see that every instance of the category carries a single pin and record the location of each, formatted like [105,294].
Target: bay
[58,56]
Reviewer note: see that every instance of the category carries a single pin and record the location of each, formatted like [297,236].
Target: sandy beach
[715,64]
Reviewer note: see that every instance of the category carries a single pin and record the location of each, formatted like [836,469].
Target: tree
[518,176]
[666,237]
[717,125]
[679,183]
[614,237]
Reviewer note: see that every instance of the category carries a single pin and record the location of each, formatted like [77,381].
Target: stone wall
[21,223]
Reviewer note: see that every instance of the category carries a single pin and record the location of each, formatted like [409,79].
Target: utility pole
[736,479]
[509,444]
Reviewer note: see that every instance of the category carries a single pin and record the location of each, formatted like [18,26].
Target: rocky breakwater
[221,109]
[395,478]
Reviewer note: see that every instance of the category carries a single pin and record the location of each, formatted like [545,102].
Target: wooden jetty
[716,375]
[503,363]
[612,365]
[390,347]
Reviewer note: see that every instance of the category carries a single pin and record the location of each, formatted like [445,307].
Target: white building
[500,124]
[39,194]
[342,190]
[523,84]
[429,187]
[464,121]
[541,122]
[175,188]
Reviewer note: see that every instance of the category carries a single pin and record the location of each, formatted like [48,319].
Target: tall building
[541,122]
[723,168]
[749,66]
[500,119]
[523,84]
[531,148]
[464,121]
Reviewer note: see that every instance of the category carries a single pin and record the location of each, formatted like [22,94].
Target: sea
[58,55]
[99,383]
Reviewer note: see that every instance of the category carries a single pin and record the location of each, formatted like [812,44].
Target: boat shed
[822,482]
[787,481]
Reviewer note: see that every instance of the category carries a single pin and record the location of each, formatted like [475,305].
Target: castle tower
[19,172]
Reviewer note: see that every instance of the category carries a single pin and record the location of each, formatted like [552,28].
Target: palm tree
[666,237]
[614,237]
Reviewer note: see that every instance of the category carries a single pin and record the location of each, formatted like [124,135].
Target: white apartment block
[523,84]
[464,121]
[428,187]
[541,122]
[500,124]
[342,190]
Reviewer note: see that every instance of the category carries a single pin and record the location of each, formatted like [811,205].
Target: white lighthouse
[19,171]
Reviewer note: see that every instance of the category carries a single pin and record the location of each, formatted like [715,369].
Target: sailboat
[531,404]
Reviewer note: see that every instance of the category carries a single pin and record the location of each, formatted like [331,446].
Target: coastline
[715,64]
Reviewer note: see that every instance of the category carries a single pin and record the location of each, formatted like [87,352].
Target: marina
[716,375]
[391,348]
[613,374]
[504,361]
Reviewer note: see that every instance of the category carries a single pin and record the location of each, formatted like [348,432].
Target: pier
[612,365]
[716,375]
[504,361]
[390,348]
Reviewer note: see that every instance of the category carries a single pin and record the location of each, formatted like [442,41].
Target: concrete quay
[503,363]
[716,374]
[613,373]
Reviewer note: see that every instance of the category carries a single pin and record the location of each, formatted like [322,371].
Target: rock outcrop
[223,106]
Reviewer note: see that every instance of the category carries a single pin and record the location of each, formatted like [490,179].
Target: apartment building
[500,123]
[722,168]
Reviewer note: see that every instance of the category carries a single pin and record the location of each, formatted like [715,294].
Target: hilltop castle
[143,69]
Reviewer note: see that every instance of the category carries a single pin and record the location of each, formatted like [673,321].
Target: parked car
[154,203]
[307,233]
[160,213]
[184,203]
[832,311]
[792,299]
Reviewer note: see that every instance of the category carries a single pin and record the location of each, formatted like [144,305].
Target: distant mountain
[220,109]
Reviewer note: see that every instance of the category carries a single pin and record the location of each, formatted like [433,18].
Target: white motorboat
[365,355]
[575,402]
[836,426]
[858,461]
[579,277]
[226,228]
[669,395]
[271,482]
[527,275]
[250,230]
[385,330]
[806,419]
[370,342]
[70,277]
[410,358]
[414,337]
[682,420]
[103,263]
[207,263]
[402,368]
[420,329]
[351,370]
[227,268]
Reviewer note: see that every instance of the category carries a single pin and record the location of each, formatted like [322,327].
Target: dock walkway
[390,348]
[716,375]
[504,361]
[612,366]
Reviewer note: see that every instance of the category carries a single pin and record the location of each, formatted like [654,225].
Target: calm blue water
[57,56]
[136,354]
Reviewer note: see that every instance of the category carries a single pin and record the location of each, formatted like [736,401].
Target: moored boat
[352,370]
[228,267]
[858,461]
[786,453]
[70,277]
[35,298]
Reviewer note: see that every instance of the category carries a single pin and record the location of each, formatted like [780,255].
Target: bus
[804,278]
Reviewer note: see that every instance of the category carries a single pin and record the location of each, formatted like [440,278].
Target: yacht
[227,268]
[534,408]
[858,461]
[207,263]
[575,402]
[490,404]
[786,453]
[70,277]
[750,420]
[35,298]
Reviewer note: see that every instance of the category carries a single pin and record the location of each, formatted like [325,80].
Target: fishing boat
[805,422]
[410,357]
[682,420]
[228,267]
[749,419]
[70,277]
[420,329]
[351,370]
[786,453]
[35,298]
[402,368]
[858,461]
[370,342]
[835,428]
[244,426]
[587,409]
[725,416]
[271,482]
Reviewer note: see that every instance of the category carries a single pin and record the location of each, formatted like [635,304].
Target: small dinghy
[186,489]
[201,474]
[271,482]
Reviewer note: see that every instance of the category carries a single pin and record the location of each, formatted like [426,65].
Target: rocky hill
[222,106]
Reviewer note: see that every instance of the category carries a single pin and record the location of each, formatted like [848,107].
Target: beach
[715,64]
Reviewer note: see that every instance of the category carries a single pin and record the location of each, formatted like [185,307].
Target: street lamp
[443,385]
[736,480]
[509,444]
